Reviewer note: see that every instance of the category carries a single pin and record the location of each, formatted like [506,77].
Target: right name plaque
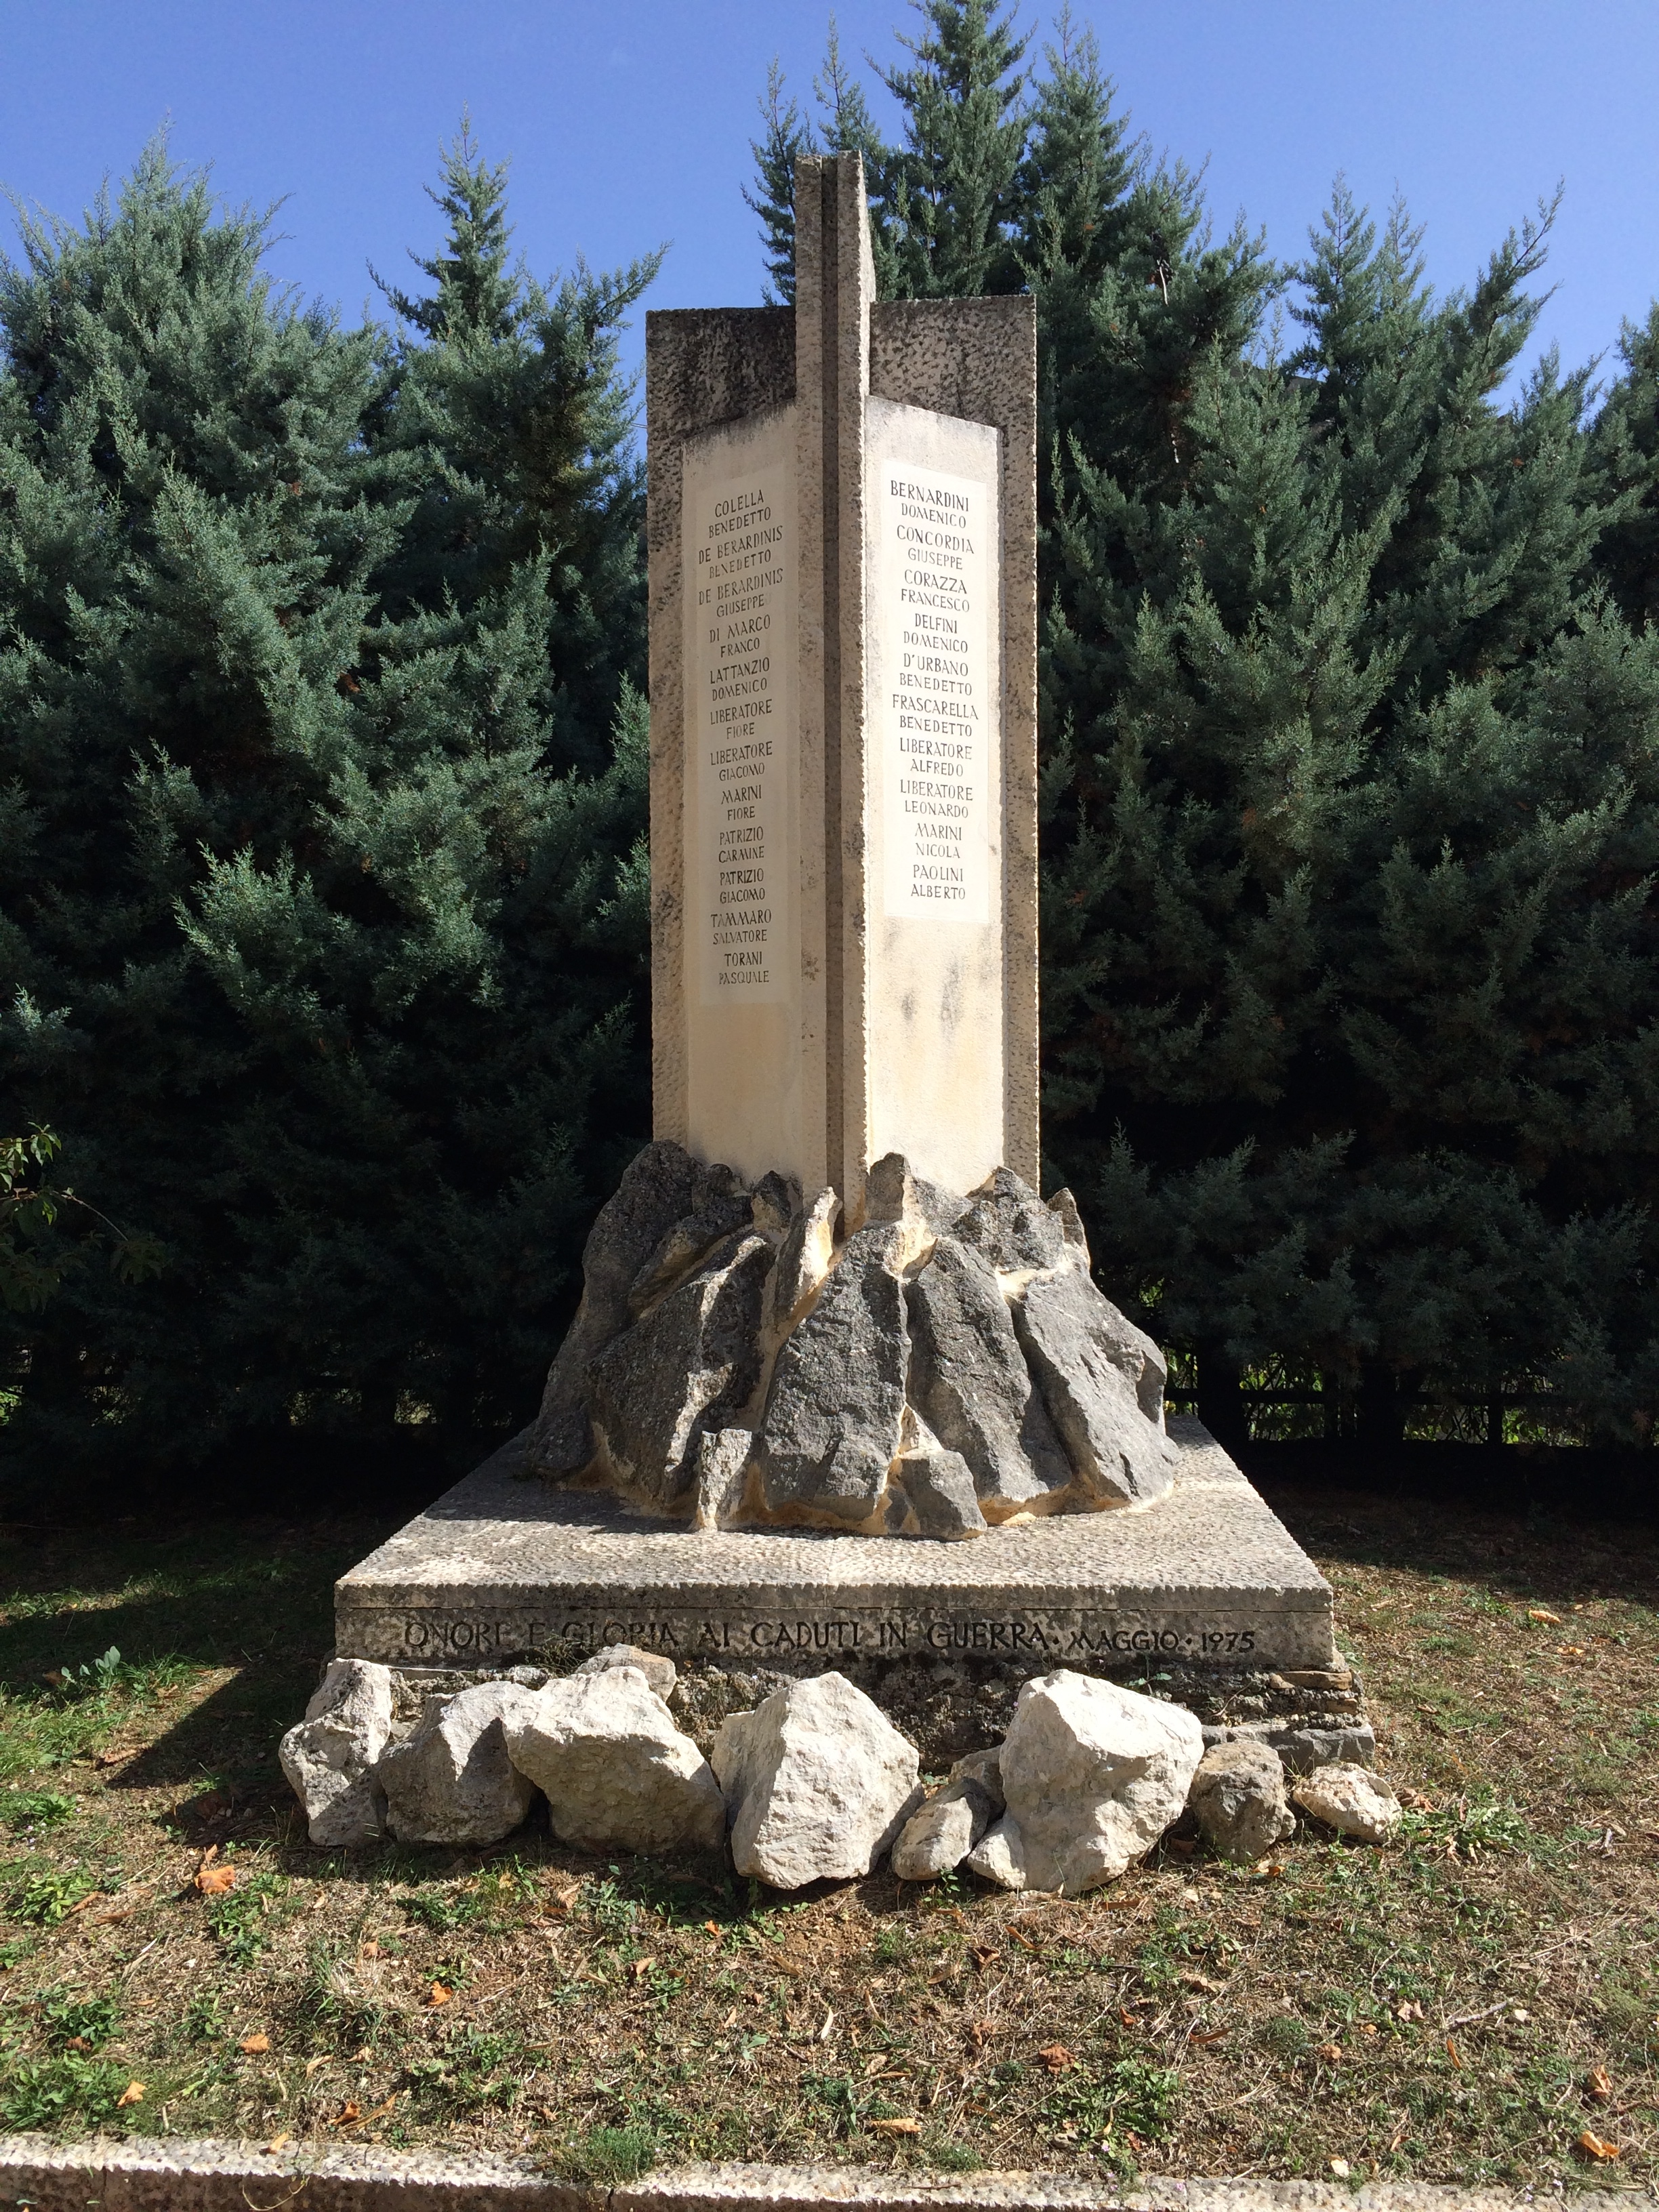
[933,578]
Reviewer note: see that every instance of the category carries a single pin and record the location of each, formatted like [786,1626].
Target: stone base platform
[503,1569]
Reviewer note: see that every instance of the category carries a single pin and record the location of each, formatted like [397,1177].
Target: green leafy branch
[31,1266]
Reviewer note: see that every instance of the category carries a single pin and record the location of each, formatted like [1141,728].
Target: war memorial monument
[842,1387]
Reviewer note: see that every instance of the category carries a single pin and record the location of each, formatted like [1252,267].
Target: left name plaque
[741,586]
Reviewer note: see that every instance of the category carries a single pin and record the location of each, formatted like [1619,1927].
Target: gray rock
[774,1203]
[688,1366]
[969,1382]
[658,1188]
[937,1492]
[618,1775]
[803,1261]
[1237,1798]
[1352,1799]
[1010,1226]
[1074,1340]
[722,1475]
[818,1782]
[724,1208]
[937,1838]
[985,1768]
[451,1781]
[660,1673]
[1093,1774]
[1301,1746]
[330,1757]
[999,1854]
[831,1428]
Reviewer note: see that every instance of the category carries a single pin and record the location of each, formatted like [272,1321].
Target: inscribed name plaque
[933,621]
[741,938]
[936,716]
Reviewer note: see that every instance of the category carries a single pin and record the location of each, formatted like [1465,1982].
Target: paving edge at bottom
[180,2176]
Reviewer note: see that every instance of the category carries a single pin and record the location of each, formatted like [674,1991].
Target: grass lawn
[1481,2000]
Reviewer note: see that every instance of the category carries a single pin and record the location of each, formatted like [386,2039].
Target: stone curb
[179,2176]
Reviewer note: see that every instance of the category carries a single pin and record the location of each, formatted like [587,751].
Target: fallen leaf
[980,2034]
[1569,1650]
[1056,2057]
[369,1950]
[1452,2053]
[1598,2085]
[727,2021]
[1330,2052]
[347,2117]
[1542,1613]
[1409,2010]
[1214,2036]
[438,1994]
[276,2142]
[358,2057]
[983,1956]
[254,2044]
[77,2043]
[641,1968]
[894,2127]
[1595,2148]
[565,1898]
[132,2094]
[321,2059]
[215,1880]
[877,2065]
[713,1926]
[1202,1982]
[824,2033]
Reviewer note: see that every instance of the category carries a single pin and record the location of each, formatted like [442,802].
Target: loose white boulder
[660,1673]
[818,1782]
[999,1854]
[1093,1775]
[451,1781]
[329,1757]
[1238,1798]
[1352,1799]
[617,1773]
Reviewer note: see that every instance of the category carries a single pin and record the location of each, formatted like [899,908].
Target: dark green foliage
[322,912]
[1351,760]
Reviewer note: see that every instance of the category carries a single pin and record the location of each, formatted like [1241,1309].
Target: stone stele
[841,1384]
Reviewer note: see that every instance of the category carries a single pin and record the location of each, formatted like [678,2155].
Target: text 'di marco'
[742,587]
[935,710]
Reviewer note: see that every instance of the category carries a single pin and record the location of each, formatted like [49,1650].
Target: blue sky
[628,123]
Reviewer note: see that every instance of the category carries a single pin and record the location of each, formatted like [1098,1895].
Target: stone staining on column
[935,1034]
[745,1099]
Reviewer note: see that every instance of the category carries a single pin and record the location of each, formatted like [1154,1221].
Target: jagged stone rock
[774,1204]
[832,1426]
[999,1854]
[894,1193]
[934,1494]
[802,1263]
[659,1186]
[970,1381]
[659,1672]
[818,1782]
[1071,1222]
[722,1475]
[617,1774]
[1237,1798]
[938,1837]
[1093,1774]
[1300,1745]
[329,1757]
[724,1207]
[1350,1799]
[688,1366]
[451,1781]
[1010,1226]
[1076,1340]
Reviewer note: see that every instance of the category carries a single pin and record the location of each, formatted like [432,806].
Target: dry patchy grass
[1468,2003]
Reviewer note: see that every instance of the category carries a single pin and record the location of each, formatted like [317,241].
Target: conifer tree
[322,921]
[1624,444]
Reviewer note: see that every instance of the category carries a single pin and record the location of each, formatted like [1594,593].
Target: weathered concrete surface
[500,1568]
[181,2176]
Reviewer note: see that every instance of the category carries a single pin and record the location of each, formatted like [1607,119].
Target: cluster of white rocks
[814,1783]
[936,1366]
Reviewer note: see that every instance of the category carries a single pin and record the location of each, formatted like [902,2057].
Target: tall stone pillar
[843,655]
